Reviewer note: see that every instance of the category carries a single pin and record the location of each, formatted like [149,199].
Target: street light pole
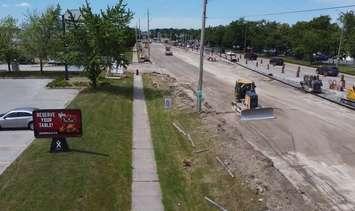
[245,38]
[148,33]
[139,29]
[341,40]
[202,49]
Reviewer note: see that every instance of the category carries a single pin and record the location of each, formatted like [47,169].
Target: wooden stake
[190,139]
[225,166]
[215,204]
[202,150]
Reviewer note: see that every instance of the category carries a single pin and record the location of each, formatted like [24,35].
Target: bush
[59,83]
[300,52]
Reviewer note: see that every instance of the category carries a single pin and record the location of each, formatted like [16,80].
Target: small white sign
[168,102]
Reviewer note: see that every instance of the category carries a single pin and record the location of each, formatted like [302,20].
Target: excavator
[246,102]
[350,97]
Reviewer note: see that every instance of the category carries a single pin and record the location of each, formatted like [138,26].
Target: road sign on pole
[168,102]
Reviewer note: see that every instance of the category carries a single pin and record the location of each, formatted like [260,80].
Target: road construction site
[310,142]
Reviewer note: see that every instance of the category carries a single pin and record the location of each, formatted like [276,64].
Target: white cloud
[23,4]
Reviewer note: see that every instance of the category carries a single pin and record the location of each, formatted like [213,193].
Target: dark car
[276,61]
[320,57]
[251,56]
[328,71]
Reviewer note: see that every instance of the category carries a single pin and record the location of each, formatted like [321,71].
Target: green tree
[96,40]
[8,40]
[317,35]
[234,34]
[349,33]
[41,36]
[214,36]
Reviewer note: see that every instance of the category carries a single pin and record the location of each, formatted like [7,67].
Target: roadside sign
[168,102]
[57,123]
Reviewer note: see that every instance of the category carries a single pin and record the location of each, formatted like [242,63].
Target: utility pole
[139,27]
[341,39]
[245,38]
[202,49]
[148,33]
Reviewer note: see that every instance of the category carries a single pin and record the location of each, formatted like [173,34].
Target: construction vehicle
[211,58]
[250,55]
[168,51]
[246,102]
[350,97]
[312,84]
[232,57]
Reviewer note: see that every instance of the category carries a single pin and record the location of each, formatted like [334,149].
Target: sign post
[59,145]
[168,102]
[57,124]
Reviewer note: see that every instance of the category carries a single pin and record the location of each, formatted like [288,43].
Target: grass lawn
[347,70]
[184,188]
[299,62]
[342,68]
[95,175]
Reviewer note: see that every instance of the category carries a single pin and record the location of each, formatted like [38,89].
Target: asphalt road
[312,140]
[17,93]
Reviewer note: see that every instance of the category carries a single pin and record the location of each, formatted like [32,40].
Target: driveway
[16,93]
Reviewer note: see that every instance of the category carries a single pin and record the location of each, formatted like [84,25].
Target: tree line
[300,40]
[84,38]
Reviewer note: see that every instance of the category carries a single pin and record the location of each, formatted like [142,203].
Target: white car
[19,118]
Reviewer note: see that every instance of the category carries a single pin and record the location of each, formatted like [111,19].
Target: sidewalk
[146,193]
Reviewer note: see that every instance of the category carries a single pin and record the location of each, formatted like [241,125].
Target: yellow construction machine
[350,97]
[246,102]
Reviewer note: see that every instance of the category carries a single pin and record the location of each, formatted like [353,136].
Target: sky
[187,13]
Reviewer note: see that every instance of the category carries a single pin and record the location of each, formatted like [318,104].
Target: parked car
[251,56]
[320,57]
[328,71]
[55,62]
[277,61]
[25,60]
[19,118]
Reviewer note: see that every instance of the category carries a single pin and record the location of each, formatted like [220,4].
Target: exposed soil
[242,158]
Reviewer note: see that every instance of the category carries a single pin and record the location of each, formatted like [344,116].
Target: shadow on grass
[126,91]
[149,93]
[119,90]
[152,94]
[89,152]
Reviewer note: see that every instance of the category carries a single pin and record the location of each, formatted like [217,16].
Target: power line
[290,12]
